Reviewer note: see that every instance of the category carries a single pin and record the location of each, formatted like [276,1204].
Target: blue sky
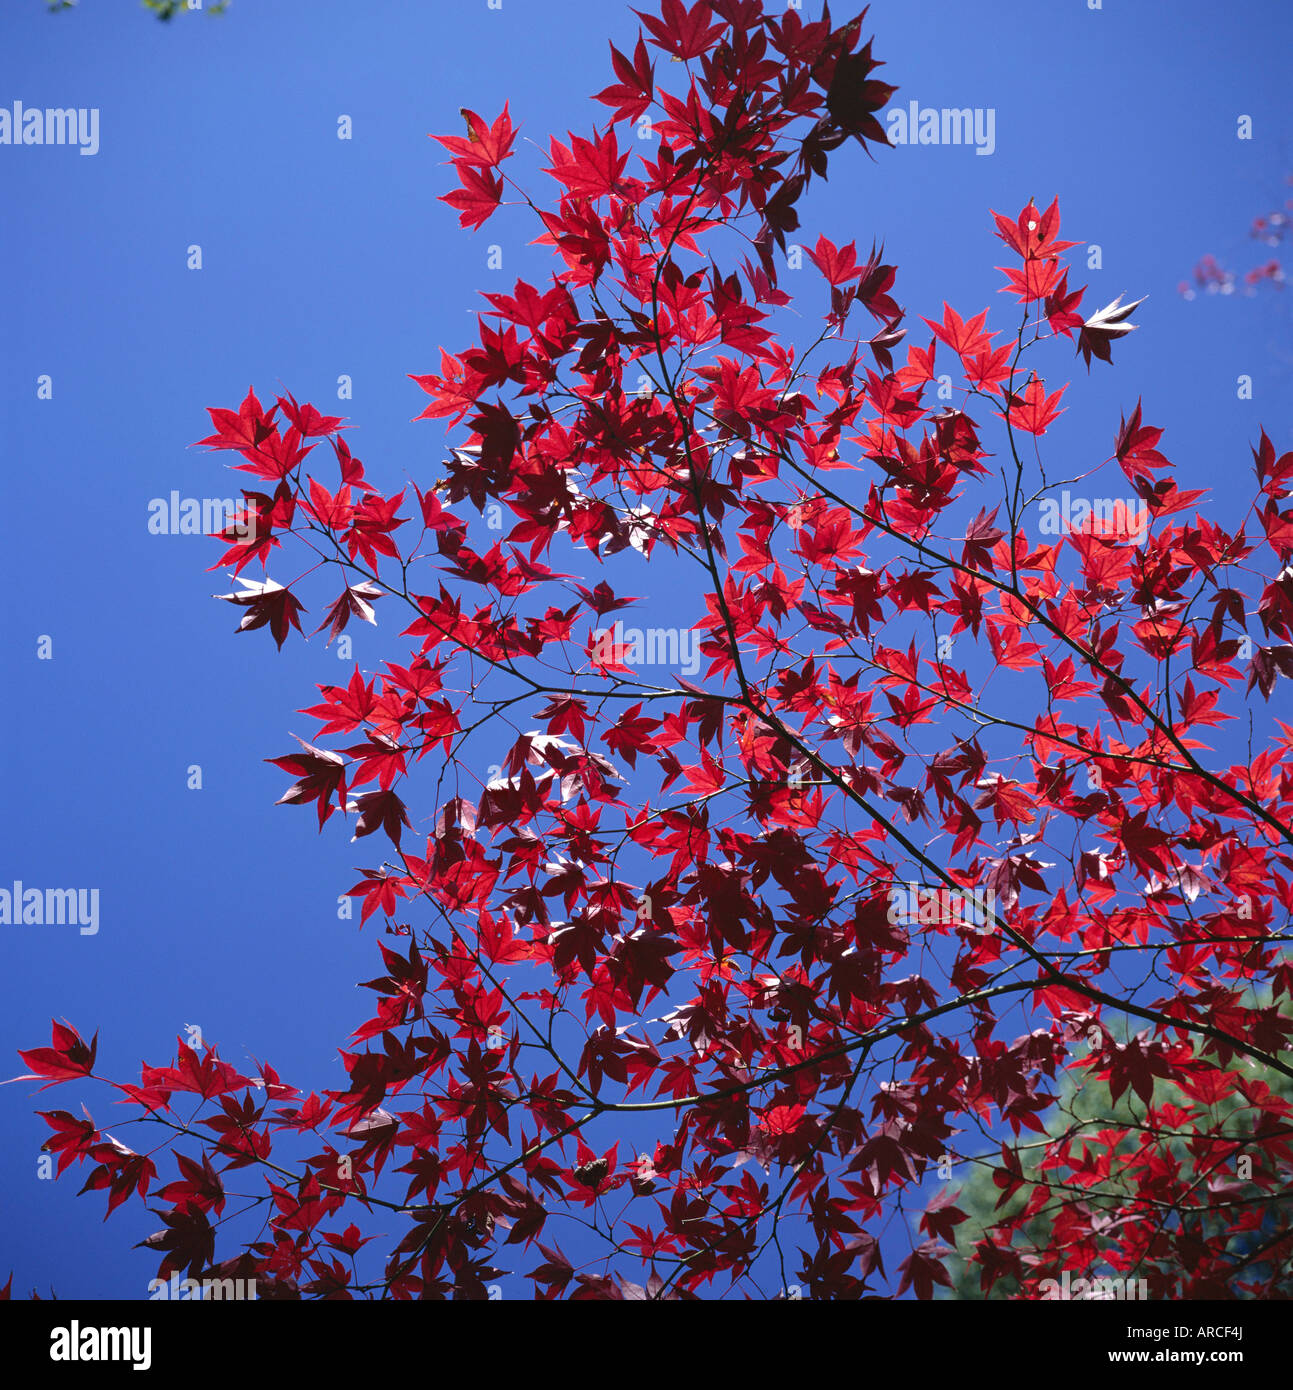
[323,257]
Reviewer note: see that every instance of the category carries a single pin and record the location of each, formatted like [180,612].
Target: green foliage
[163,9]
[167,9]
[1084,1112]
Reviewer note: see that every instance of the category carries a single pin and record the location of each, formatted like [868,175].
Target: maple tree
[648,1024]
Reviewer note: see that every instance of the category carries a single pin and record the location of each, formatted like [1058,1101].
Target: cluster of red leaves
[1212,277]
[668,919]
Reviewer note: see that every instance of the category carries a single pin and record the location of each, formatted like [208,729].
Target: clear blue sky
[323,257]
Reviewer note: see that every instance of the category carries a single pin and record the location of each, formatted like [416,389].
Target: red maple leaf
[67,1058]
[266,602]
[478,197]
[631,96]
[486,146]
[684,33]
[1034,410]
[322,774]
